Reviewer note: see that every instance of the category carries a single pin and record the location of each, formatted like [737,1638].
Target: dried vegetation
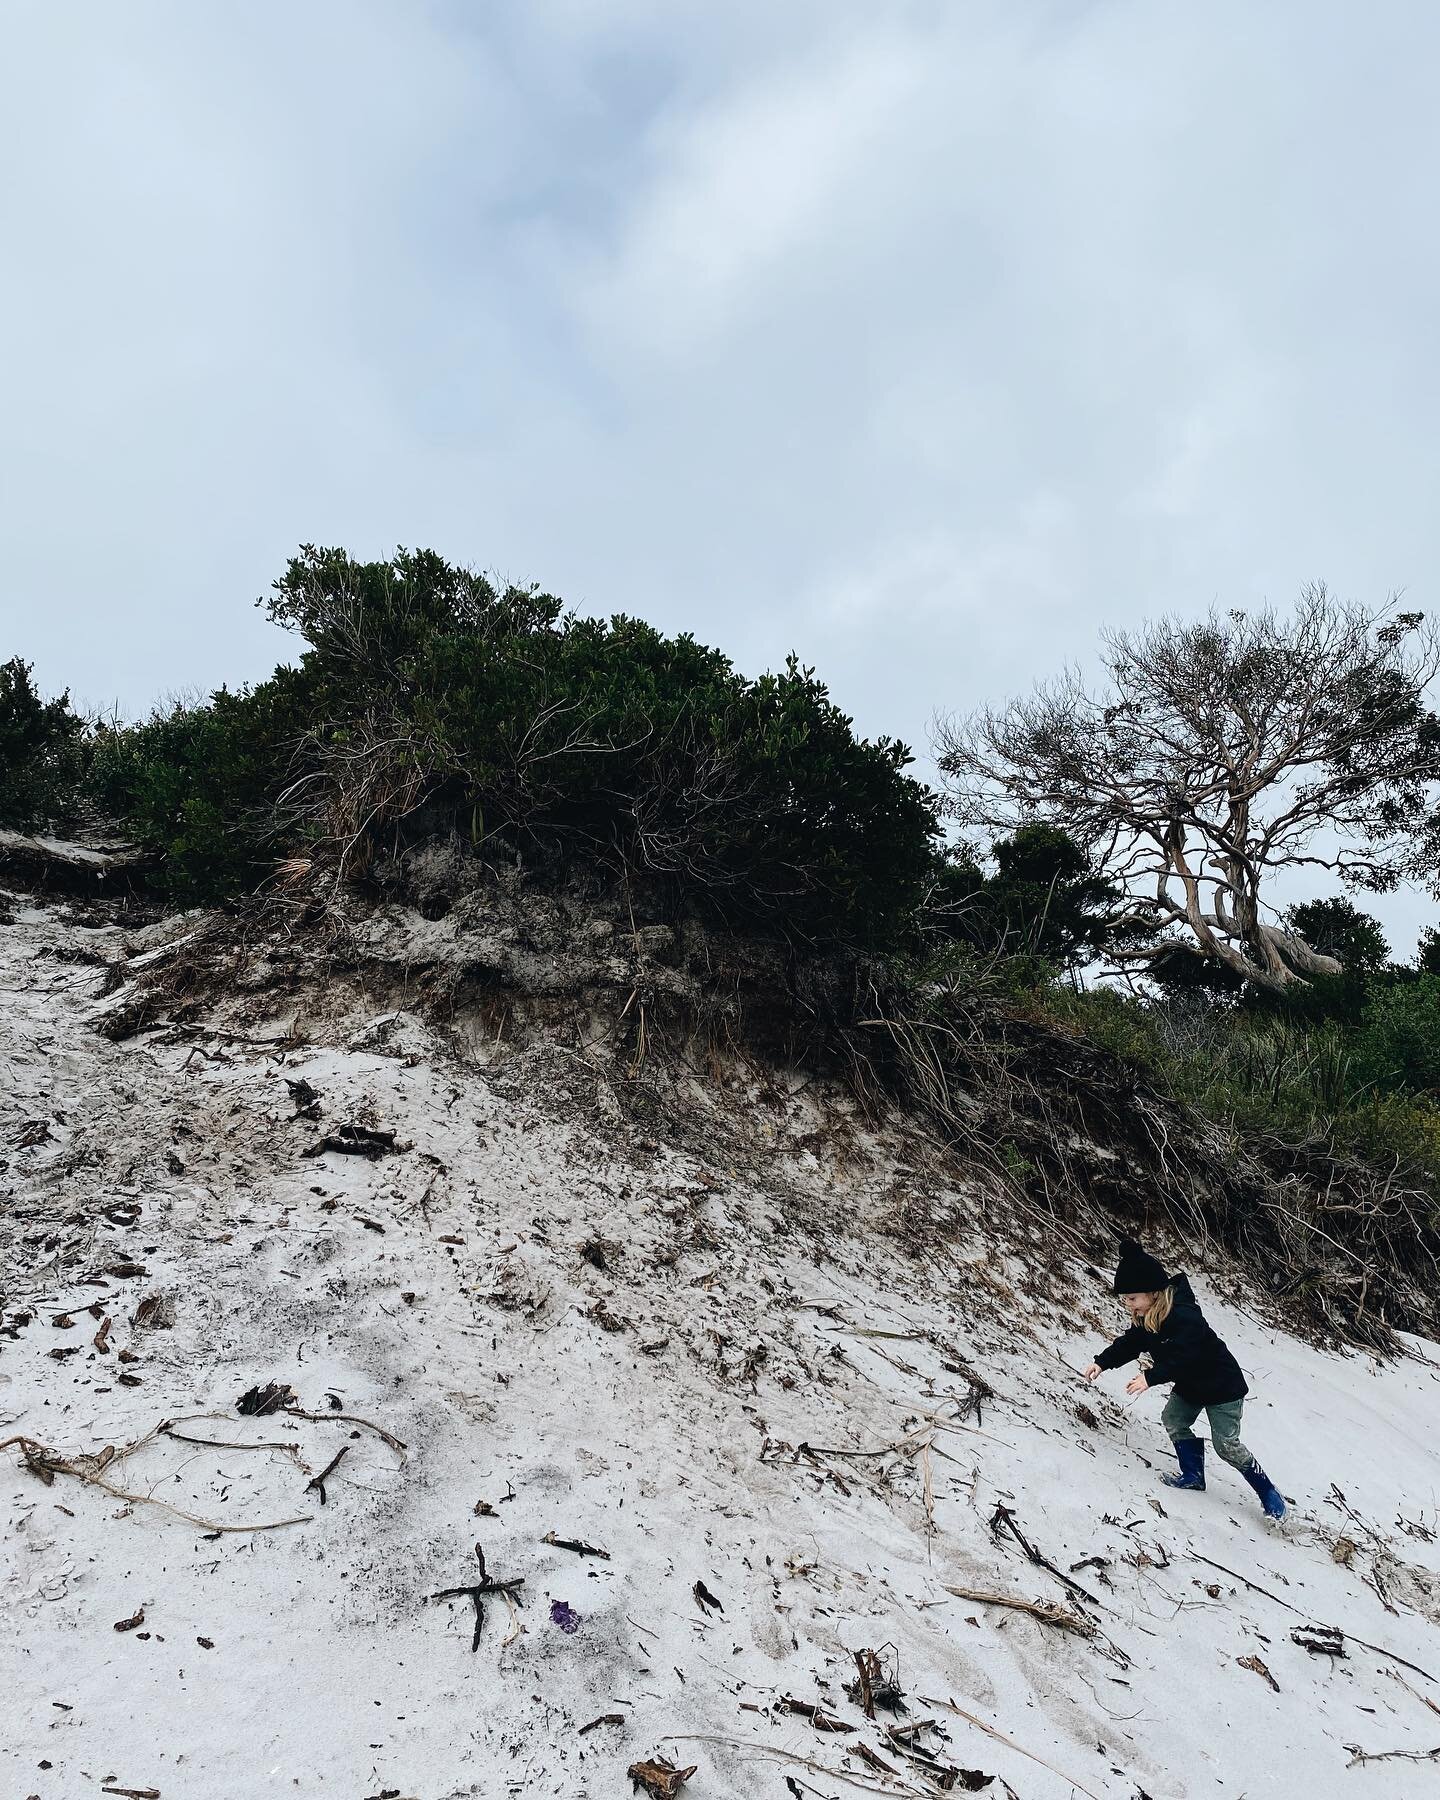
[1069,1135]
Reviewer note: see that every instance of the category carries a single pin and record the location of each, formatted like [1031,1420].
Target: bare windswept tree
[1219,753]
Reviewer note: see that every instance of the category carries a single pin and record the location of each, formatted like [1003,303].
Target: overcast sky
[920,338]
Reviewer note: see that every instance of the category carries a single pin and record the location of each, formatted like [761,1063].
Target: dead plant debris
[1003,1520]
[1319,1640]
[258,1402]
[357,1140]
[807,1709]
[1257,1667]
[46,1464]
[1046,1611]
[576,1545]
[318,1481]
[707,1601]
[1357,1755]
[877,1681]
[604,1719]
[659,1777]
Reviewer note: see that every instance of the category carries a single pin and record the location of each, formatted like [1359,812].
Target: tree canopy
[1042,900]
[1216,754]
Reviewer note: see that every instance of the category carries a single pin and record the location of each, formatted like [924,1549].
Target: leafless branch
[1219,753]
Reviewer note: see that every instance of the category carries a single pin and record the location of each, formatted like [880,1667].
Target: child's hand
[1136,1385]
[1094,1372]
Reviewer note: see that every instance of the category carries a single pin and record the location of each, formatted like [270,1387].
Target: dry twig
[340,1418]
[318,1481]
[1357,1755]
[1364,1643]
[1000,1738]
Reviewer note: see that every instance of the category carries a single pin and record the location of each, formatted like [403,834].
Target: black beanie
[1138,1273]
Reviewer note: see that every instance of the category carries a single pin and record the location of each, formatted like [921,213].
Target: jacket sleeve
[1182,1347]
[1125,1349]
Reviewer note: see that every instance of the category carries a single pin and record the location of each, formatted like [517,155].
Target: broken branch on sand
[877,1681]
[1415,1693]
[355,1140]
[166,1428]
[818,1717]
[912,1444]
[576,1546]
[1254,1586]
[771,1753]
[182,1437]
[1046,1611]
[1357,1755]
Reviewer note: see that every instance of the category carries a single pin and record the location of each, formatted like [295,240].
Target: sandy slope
[600,1335]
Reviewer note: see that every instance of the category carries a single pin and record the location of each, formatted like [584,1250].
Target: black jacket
[1184,1350]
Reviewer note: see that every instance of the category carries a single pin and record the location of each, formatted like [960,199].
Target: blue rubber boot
[1270,1497]
[1190,1452]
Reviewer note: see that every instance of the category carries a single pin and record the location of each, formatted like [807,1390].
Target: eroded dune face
[729,1387]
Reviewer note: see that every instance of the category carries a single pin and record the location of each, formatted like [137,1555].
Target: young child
[1184,1350]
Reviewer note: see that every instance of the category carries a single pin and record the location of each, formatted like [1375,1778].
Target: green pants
[1180,1414]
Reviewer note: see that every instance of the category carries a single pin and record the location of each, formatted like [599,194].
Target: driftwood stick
[182,1437]
[604,1719]
[1363,1756]
[1004,1518]
[1424,1699]
[476,1592]
[1253,1585]
[866,1690]
[576,1545]
[773,1753]
[1380,1651]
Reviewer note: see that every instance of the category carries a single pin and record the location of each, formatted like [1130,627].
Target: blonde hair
[1160,1309]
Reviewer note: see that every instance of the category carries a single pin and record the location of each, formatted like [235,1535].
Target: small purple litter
[564,1615]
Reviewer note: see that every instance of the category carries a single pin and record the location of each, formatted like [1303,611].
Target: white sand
[742,1292]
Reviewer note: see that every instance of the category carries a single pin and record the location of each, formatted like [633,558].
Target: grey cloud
[921,339]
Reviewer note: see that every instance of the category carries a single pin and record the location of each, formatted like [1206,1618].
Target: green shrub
[1335,927]
[42,753]
[1042,901]
[449,702]
[1369,1091]
[1398,1043]
[199,783]
[429,702]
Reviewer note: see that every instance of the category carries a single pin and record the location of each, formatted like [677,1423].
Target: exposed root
[91,1469]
